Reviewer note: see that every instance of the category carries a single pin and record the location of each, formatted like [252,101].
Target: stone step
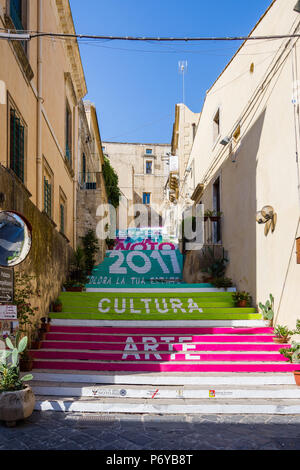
[112,338]
[168,406]
[133,356]
[160,346]
[164,392]
[150,366]
[86,321]
[159,330]
[210,379]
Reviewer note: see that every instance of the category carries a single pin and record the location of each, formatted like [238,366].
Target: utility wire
[37,34]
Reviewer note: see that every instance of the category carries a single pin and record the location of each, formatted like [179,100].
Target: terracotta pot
[15,406]
[215,218]
[297,377]
[242,303]
[280,340]
[42,335]
[57,308]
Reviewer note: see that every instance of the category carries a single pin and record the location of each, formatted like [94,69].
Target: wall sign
[6,284]
[8,312]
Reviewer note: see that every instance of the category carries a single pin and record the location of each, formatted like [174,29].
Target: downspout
[76,170]
[39,158]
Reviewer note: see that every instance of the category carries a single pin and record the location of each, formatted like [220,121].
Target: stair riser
[157,393]
[155,356]
[76,366]
[163,347]
[174,339]
[160,331]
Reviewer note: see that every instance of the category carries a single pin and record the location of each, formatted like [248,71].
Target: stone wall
[87,202]
[50,253]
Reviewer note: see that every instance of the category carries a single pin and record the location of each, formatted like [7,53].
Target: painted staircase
[159,348]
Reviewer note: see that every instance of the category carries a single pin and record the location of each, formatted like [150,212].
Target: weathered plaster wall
[49,257]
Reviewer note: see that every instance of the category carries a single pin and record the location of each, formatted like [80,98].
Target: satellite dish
[15,238]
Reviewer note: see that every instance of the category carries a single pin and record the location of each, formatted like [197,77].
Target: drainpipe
[39,158]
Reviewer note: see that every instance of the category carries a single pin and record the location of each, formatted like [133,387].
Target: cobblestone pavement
[77,431]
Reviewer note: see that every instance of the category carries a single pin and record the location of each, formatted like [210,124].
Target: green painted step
[156,316]
[152,306]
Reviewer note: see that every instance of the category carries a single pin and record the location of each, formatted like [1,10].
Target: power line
[37,34]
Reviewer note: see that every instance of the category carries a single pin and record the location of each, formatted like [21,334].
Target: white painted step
[142,406]
[211,379]
[160,323]
[157,290]
[164,392]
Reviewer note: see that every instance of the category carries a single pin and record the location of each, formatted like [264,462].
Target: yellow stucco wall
[61,81]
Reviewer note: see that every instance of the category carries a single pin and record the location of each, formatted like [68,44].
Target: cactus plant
[10,379]
[268,309]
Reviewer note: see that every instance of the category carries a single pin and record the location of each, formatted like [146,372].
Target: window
[17,144]
[62,212]
[47,197]
[149,168]
[62,217]
[48,188]
[146,198]
[216,125]
[217,208]
[148,151]
[83,168]
[18,15]
[68,134]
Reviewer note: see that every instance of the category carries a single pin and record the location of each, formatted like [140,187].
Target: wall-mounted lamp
[268,217]
[297,7]
[225,141]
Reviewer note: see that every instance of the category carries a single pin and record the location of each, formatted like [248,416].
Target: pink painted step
[189,356]
[166,367]
[175,339]
[161,330]
[163,346]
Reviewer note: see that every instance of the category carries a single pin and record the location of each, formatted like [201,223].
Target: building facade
[244,161]
[49,138]
[142,170]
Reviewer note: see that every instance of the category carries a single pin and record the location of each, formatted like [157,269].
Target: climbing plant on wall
[111,180]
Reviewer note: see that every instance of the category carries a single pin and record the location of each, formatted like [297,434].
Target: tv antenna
[182,67]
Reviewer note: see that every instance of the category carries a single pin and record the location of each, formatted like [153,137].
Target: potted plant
[216,216]
[282,334]
[45,326]
[16,398]
[242,299]
[26,361]
[224,282]
[42,334]
[90,248]
[110,242]
[35,342]
[268,310]
[217,267]
[74,286]
[57,305]
[208,214]
[292,353]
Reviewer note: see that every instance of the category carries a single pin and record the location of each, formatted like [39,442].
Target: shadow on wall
[239,206]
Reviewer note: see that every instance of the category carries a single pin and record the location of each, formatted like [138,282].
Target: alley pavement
[77,431]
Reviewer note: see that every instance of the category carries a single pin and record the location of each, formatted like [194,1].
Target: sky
[135,86]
